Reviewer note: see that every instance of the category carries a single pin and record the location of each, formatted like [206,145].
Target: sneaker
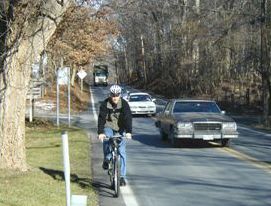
[122,181]
[106,164]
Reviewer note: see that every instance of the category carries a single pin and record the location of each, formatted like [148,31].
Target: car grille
[207,126]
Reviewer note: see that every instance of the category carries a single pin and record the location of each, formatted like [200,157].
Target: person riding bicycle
[115,117]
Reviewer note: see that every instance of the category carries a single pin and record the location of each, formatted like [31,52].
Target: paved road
[198,175]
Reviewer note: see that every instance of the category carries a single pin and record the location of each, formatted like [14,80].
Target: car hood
[143,103]
[202,117]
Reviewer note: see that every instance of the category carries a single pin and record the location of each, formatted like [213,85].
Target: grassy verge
[44,183]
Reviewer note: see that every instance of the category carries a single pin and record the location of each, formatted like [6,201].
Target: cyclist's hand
[101,137]
[128,136]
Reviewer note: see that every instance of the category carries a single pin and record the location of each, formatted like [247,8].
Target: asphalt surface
[199,174]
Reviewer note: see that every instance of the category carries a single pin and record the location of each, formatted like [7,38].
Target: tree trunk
[15,85]
[265,64]
[74,70]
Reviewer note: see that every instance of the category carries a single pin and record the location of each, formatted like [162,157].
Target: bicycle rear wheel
[117,176]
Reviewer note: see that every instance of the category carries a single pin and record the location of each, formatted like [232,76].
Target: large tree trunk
[15,80]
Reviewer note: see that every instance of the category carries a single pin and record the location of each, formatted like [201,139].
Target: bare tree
[194,48]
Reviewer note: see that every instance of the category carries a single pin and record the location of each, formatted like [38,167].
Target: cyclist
[115,117]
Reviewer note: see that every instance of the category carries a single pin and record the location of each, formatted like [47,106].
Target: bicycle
[114,164]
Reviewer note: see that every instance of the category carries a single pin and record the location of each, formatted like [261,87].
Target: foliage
[82,35]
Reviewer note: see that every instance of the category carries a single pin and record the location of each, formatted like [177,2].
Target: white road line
[257,132]
[128,195]
[127,192]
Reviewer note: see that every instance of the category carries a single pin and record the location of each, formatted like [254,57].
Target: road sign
[63,75]
[82,74]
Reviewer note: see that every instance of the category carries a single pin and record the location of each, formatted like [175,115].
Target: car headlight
[185,125]
[229,126]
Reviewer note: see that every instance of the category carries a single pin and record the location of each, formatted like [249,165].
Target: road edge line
[127,192]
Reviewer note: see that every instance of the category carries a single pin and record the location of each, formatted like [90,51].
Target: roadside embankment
[43,183]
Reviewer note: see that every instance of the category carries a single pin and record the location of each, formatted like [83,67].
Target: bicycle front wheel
[117,176]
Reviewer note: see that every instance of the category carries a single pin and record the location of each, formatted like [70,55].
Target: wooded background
[182,48]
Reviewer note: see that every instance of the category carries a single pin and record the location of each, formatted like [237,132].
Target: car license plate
[208,137]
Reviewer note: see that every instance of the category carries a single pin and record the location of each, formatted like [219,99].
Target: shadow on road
[104,189]
[156,141]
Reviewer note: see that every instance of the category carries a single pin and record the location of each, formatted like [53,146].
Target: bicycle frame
[114,165]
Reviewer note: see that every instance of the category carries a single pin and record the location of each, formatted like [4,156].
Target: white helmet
[115,89]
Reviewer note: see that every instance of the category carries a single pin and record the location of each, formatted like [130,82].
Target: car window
[196,107]
[100,74]
[123,90]
[139,98]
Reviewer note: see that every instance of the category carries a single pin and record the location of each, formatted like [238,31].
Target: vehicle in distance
[195,119]
[124,93]
[141,103]
[100,75]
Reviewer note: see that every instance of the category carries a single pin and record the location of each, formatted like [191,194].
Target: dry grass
[43,184]
[79,99]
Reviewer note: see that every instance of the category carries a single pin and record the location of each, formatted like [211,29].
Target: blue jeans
[122,150]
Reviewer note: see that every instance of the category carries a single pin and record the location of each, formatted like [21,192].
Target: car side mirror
[223,112]
[153,100]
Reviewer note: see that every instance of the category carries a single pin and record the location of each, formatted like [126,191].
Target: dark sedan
[196,119]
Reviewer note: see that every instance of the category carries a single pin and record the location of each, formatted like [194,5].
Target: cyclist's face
[115,98]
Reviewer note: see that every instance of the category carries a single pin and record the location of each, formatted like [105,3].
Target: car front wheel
[225,142]
[172,138]
[163,135]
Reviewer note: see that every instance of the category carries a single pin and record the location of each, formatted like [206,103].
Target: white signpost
[71,200]
[82,74]
[63,75]
[63,78]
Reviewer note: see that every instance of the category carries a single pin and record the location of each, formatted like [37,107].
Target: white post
[69,97]
[66,161]
[30,102]
[30,109]
[57,101]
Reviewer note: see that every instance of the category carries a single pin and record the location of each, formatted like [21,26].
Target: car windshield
[196,107]
[123,90]
[139,98]
[100,74]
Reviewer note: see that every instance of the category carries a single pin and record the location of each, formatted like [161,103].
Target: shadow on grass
[59,175]
[82,182]
[45,147]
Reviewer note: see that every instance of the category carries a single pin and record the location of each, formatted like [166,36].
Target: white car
[141,103]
